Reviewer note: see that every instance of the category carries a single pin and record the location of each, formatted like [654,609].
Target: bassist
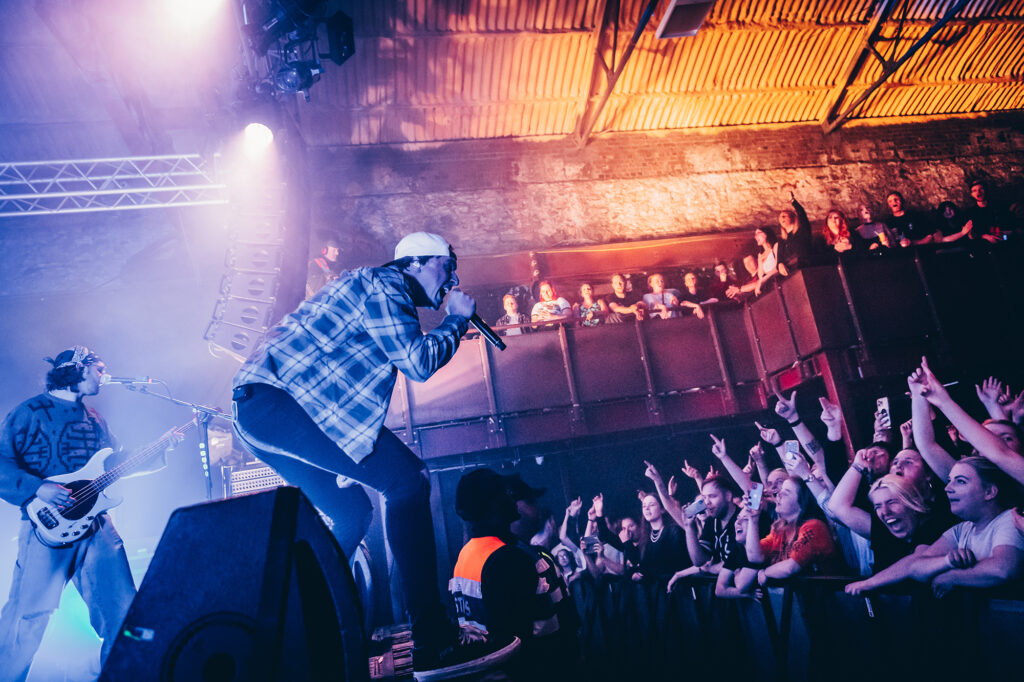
[51,434]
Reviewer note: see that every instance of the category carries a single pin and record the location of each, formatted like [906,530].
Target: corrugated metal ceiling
[436,70]
[459,69]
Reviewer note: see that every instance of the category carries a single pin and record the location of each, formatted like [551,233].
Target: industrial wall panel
[606,363]
[682,355]
[530,374]
[456,391]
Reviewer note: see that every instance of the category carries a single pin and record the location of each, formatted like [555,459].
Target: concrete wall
[511,195]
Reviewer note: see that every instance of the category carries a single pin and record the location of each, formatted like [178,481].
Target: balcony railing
[844,321]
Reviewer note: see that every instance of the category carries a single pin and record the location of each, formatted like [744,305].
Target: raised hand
[831,415]
[748,468]
[990,393]
[880,428]
[651,472]
[907,433]
[917,383]
[691,472]
[575,506]
[786,407]
[860,460]
[712,473]
[798,467]
[672,486]
[1015,408]
[931,388]
[598,505]
[770,436]
[757,453]
[718,449]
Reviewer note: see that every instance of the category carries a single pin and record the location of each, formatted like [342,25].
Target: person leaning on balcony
[551,307]
[661,302]
[590,312]
[625,305]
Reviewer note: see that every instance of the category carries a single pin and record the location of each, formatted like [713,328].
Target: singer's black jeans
[278,431]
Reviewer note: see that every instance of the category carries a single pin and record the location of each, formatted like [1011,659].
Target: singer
[311,403]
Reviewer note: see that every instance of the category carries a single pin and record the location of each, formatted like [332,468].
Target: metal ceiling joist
[872,36]
[606,39]
[90,185]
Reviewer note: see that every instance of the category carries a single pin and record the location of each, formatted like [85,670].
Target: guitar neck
[140,457]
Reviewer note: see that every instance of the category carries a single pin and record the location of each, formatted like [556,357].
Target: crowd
[910,506]
[774,254]
[936,500]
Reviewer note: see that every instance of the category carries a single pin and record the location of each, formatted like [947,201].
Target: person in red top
[798,542]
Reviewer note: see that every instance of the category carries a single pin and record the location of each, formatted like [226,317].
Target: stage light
[683,18]
[340,41]
[257,138]
[297,76]
[191,14]
[268,20]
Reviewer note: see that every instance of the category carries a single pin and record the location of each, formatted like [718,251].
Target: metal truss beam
[606,39]
[873,35]
[118,184]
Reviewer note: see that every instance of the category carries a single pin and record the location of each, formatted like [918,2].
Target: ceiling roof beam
[606,38]
[833,119]
[824,23]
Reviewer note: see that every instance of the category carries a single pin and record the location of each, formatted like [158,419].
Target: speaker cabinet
[251,588]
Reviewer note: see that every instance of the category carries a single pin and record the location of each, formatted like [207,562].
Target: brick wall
[510,195]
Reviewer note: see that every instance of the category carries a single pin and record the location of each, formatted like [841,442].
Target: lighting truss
[118,184]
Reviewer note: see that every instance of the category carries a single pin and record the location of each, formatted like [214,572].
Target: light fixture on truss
[287,36]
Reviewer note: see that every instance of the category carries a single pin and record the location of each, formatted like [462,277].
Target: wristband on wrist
[860,470]
[798,421]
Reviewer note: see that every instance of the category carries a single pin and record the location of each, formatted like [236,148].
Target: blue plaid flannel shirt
[339,354]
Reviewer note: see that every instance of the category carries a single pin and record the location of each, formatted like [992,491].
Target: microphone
[107,379]
[486,332]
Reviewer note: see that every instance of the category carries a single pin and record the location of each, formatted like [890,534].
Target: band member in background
[324,268]
[52,434]
[311,403]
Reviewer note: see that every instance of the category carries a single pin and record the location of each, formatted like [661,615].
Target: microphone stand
[203,416]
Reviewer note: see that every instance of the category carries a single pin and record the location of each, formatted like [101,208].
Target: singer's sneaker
[461,659]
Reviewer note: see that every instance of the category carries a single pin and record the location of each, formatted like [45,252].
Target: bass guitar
[91,489]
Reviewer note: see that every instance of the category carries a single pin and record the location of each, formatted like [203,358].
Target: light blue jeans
[99,568]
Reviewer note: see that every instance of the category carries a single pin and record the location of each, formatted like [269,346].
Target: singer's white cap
[422,244]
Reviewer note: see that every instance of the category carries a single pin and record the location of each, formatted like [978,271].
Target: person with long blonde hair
[902,519]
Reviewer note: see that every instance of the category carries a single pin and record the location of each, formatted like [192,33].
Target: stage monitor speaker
[253,588]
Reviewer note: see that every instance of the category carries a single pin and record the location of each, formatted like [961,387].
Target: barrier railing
[801,629]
